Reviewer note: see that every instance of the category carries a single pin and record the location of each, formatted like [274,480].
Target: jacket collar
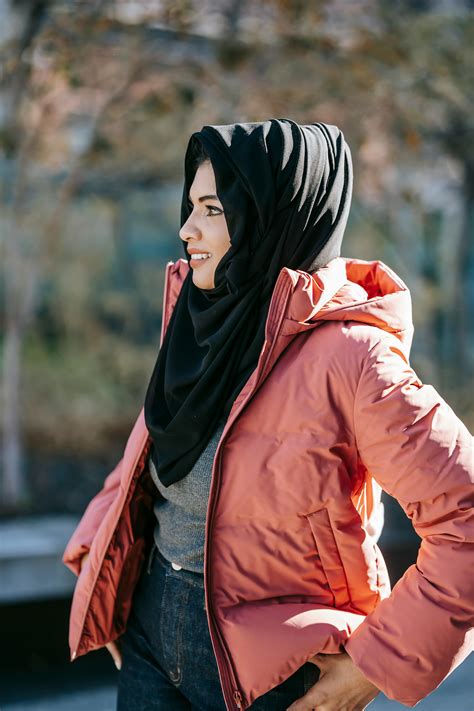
[344,290]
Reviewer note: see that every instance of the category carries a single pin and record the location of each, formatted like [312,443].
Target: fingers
[312,700]
[308,702]
[116,655]
[340,686]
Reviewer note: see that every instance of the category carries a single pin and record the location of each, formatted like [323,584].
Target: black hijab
[286,191]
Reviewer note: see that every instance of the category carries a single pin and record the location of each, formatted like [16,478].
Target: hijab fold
[286,191]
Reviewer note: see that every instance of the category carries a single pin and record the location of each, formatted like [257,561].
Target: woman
[233,548]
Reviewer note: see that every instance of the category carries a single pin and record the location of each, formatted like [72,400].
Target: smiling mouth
[199,261]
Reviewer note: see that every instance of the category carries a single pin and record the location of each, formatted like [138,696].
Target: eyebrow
[205,197]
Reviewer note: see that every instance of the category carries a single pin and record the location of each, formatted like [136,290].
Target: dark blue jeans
[168,662]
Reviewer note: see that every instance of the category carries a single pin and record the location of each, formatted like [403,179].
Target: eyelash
[209,207]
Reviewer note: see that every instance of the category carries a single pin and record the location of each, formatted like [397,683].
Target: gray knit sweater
[181,509]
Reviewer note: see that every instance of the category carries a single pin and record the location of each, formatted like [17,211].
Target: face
[205,231]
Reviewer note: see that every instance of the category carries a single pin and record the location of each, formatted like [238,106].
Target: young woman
[233,548]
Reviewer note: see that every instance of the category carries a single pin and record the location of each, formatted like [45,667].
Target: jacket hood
[351,290]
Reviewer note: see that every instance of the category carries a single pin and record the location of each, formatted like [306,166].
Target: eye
[213,207]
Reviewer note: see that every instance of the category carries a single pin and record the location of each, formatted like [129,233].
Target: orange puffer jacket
[332,413]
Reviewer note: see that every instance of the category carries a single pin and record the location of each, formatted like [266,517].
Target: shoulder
[357,342]
[351,353]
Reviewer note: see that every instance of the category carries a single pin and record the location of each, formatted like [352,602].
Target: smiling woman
[205,231]
[233,550]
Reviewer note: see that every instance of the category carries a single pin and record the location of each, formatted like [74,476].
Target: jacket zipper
[214,629]
[231,689]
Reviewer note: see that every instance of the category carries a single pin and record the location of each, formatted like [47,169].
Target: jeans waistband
[186,575]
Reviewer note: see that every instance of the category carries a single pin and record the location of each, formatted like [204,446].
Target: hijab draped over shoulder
[286,191]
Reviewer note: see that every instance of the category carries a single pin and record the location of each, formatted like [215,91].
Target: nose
[189,230]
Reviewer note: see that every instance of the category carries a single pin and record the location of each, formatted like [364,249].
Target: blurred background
[98,99]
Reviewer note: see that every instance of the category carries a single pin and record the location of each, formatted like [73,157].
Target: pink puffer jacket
[332,413]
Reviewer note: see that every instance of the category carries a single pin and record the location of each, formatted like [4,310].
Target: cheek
[220,241]
[225,246]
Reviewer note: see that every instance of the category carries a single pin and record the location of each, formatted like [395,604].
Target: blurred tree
[21,23]
[98,101]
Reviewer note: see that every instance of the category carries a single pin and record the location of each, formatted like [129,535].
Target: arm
[420,452]
[81,539]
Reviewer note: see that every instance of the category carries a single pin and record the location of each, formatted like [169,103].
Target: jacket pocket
[328,552]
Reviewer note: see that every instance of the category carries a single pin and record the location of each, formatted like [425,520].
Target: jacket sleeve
[81,540]
[421,453]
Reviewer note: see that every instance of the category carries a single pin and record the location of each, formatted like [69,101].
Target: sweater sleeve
[81,540]
[420,452]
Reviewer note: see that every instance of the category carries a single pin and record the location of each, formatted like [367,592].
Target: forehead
[204,178]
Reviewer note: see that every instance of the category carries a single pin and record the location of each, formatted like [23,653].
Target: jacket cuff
[73,560]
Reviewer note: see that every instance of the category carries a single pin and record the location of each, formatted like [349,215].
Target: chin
[201,282]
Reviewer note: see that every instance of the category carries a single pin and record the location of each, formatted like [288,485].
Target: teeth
[200,255]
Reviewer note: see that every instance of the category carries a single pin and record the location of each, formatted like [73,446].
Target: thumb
[320,693]
[115,653]
[83,560]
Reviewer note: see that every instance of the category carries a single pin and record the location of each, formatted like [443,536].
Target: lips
[196,263]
